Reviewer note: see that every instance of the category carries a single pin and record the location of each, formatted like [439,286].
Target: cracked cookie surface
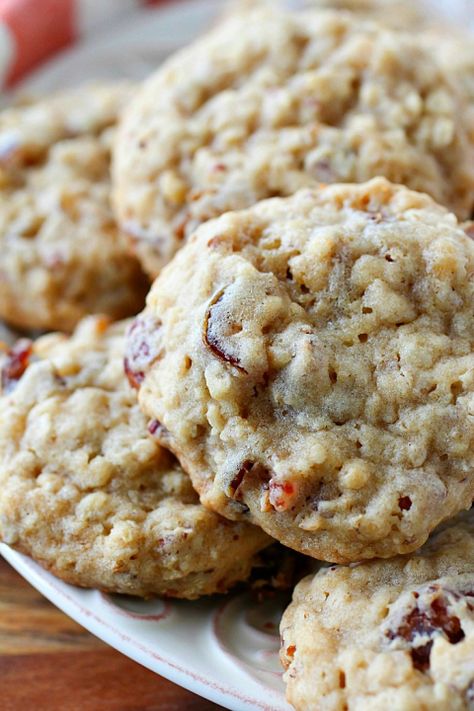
[62,255]
[271,102]
[311,362]
[396,634]
[87,491]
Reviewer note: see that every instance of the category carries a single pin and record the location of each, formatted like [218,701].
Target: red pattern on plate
[52,584]
[247,613]
[119,609]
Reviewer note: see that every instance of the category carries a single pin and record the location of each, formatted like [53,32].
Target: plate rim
[56,592]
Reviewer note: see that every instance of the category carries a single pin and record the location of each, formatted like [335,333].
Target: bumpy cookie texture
[62,255]
[311,359]
[398,14]
[87,491]
[271,102]
[395,634]
[455,52]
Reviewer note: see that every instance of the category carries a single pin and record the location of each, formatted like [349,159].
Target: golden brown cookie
[271,102]
[398,14]
[395,634]
[87,491]
[61,253]
[311,360]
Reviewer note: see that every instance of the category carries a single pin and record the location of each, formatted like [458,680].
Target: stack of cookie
[298,184]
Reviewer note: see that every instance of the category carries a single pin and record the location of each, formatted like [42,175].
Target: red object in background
[39,28]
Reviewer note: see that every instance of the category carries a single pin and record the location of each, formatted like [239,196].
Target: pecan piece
[17,361]
[281,494]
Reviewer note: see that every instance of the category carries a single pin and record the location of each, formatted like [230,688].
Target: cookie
[455,53]
[311,362]
[271,102]
[62,255]
[395,634]
[87,491]
[398,14]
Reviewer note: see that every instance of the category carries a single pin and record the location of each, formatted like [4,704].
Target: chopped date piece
[212,340]
[429,620]
[157,429]
[135,378]
[17,361]
[154,426]
[405,503]
[420,656]
[259,473]
[142,349]
[234,485]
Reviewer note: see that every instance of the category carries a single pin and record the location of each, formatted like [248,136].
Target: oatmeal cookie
[455,53]
[398,14]
[87,491]
[62,255]
[311,361]
[271,102]
[395,634]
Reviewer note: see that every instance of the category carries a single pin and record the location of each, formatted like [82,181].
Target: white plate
[223,648]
